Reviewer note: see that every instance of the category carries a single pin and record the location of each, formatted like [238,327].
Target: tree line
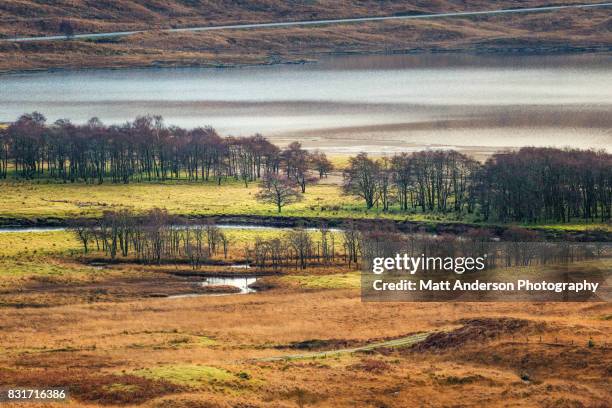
[157,237]
[152,238]
[528,185]
[146,150]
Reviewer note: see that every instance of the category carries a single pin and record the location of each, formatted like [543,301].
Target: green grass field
[21,244]
[39,201]
[32,200]
[28,255]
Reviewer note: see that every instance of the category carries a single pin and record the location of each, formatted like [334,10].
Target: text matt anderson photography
[306,203]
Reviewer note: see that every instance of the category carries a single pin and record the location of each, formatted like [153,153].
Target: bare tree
[384,183]
[321,163]
[401,165]
[213,236]
[361,178]
[297,161]
[83,230]
[278,190]
[225,242]
[300,241]
[352,238]
[4,153]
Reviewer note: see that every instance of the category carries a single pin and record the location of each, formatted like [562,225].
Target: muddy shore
[500,48]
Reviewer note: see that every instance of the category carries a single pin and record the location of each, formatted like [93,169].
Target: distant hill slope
[36,17]
[560,31]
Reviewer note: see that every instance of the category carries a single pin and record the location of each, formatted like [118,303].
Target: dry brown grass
[560,31]
[171,339]
[38,17]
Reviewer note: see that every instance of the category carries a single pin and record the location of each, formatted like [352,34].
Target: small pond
[241,282]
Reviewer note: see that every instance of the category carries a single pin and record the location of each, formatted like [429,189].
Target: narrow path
[309,22]
[401,342]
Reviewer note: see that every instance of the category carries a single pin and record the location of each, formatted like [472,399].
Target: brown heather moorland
[101,332]
[563,31]
[40,17]
[214,352]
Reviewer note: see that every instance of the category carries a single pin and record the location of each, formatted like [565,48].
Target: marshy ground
[215,351]
[308,340]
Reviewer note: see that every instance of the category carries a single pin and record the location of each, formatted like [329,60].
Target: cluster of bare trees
[146,150]
[532,184]
[547,184]
[357,243]
[295,248]
[157,237]
[154,237]
[429,180]
[301,248]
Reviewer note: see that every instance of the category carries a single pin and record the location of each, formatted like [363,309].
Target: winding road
[308,23]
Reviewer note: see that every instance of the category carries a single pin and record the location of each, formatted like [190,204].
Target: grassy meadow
[29,200]
[32,201]
[41,201]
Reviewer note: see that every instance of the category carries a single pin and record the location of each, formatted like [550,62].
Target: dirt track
[395,343]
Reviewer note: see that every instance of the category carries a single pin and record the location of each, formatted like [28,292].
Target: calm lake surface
[348,104]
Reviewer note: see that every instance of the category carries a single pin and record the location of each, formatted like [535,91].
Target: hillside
[36,17]
[562,31]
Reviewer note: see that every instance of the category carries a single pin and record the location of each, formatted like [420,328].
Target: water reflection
[241,282]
